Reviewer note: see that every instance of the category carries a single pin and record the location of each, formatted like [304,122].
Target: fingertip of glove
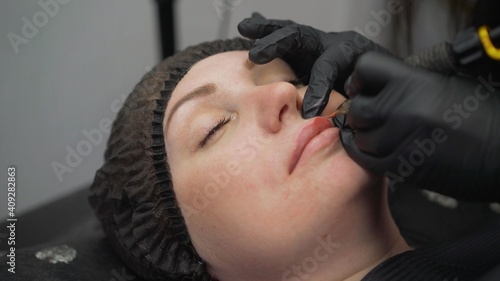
[259,55]
[258,15]
[347,138]
[244,27]
[307,114]
[312,107]
[372,72]
[251,27]
[367,60]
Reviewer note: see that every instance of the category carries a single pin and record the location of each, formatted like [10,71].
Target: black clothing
[468,258]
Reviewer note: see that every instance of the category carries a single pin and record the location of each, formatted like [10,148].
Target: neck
[371,237]
[397,246]
[363,236]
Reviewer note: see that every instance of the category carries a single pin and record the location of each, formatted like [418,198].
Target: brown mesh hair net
[132,193]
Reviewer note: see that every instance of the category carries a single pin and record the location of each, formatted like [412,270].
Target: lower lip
[327,137]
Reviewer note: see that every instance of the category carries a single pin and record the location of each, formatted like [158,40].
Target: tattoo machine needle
[341,110]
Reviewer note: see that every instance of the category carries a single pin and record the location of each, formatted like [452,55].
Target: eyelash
[220,123]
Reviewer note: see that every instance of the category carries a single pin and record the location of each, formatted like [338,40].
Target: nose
[273,104]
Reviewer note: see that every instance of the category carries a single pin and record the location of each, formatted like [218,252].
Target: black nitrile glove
[419,128]
[322,60]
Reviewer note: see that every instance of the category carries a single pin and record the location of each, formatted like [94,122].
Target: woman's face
[257,184]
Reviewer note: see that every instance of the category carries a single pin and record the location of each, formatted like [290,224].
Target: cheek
[235,195]
[344,179]
[224,178]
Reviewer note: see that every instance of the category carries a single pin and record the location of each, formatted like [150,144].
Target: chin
[343,174]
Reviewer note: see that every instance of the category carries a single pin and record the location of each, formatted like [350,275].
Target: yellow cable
[490,49]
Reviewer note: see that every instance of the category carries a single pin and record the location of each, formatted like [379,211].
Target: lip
[315,135]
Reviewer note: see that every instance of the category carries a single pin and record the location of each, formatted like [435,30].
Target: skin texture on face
[249,214]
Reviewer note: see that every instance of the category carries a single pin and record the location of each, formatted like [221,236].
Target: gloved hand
[322,60]
[437,132]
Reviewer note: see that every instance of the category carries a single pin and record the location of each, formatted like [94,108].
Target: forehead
[212,69]
[223,68]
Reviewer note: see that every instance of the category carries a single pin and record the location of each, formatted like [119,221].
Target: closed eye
[211,132]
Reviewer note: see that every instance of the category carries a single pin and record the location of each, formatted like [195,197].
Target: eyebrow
[202,91]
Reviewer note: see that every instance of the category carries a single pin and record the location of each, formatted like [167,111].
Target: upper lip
[306,134]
